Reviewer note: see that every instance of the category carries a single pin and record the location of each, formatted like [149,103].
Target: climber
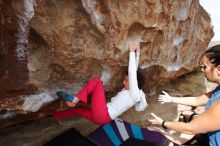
[101,112]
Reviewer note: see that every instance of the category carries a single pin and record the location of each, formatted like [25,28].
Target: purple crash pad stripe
[100,137]
[155,137]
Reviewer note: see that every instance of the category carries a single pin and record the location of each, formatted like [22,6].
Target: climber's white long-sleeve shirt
[125,99]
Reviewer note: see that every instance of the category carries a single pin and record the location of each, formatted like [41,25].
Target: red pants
[98,112]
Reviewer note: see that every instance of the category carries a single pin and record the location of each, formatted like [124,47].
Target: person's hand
[70,104]
[134,45]
[182,108]
[187,113]
[165,98]
[138,47]
[200,109]
[155,129]
[156,121]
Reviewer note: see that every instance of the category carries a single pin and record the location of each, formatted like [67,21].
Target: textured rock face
[13,53]
[70,40]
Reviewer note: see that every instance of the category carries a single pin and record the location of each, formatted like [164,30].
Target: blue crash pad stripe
[111,134]
[137,132]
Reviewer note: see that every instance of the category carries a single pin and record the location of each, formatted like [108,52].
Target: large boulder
[59,44]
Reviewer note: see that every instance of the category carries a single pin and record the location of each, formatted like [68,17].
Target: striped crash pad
[118,131]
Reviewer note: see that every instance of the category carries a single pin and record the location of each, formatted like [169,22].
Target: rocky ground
[38,132]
